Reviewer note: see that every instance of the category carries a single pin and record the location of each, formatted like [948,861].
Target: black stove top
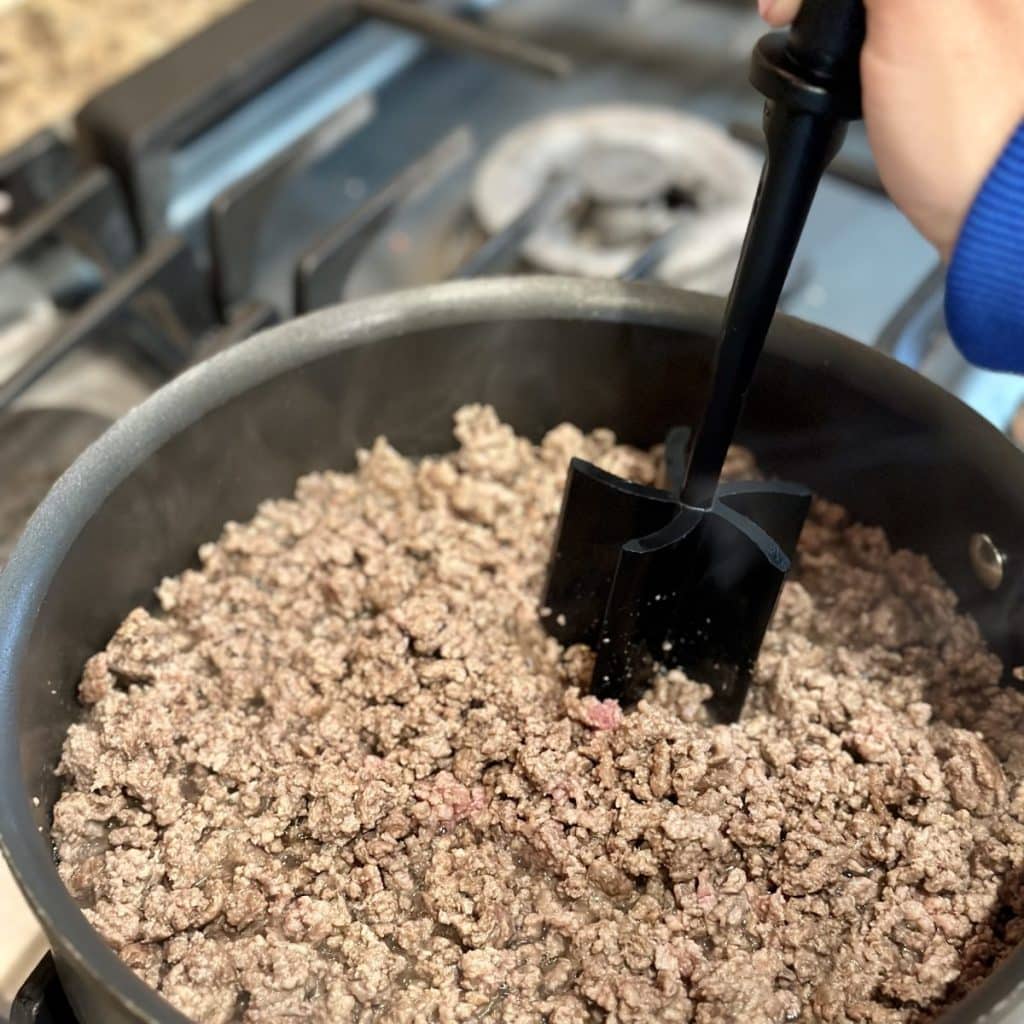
[339,153]
[41,1000]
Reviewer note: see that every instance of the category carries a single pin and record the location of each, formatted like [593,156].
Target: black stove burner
[41,999]
[54,437]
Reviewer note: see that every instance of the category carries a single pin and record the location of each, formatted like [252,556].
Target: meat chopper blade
[689,577]
[688,587]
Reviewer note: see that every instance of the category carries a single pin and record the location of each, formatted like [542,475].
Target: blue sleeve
[985,284]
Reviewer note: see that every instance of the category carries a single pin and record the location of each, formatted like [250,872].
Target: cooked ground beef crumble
[345,775]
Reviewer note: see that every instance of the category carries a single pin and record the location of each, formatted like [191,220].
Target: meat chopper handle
[826,39]
[811,81]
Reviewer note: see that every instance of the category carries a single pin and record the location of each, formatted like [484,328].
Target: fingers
[778,12]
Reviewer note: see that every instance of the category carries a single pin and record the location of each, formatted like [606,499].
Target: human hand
[943,91]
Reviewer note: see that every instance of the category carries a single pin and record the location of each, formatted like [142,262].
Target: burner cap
[642,172]
[616,173]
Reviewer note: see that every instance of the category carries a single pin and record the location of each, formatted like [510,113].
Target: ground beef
[343,774]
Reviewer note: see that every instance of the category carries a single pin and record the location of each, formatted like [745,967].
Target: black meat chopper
[689,577]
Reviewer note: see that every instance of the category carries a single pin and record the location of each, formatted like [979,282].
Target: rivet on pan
[988,561]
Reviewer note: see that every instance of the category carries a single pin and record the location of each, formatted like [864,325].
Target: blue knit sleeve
[985,284]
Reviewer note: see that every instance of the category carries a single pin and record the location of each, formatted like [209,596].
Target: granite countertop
[54,54]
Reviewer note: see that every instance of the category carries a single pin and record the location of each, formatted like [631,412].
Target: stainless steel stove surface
[350,149]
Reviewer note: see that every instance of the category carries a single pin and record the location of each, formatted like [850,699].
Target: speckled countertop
[54,54]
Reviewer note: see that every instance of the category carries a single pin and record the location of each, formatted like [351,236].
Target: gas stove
[296,155]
